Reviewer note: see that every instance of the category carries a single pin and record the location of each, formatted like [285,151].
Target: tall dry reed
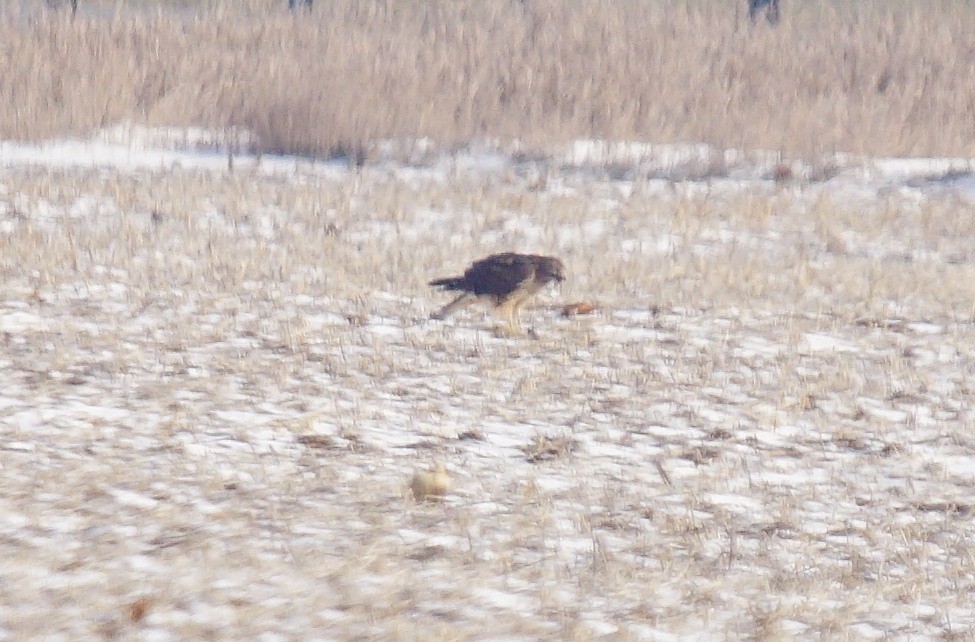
[871,76]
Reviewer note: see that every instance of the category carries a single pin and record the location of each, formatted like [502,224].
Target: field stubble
[218,387]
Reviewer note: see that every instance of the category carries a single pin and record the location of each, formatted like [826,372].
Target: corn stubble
[186,394]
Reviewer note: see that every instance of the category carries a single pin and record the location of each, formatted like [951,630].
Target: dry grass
[218,388]
[870,76]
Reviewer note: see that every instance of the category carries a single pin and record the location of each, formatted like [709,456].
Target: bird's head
[551,269]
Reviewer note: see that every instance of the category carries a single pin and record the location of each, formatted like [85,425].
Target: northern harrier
[506,281]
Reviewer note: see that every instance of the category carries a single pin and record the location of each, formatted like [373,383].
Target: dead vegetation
[546,448]
[768,415]
[224,413]
[869,76]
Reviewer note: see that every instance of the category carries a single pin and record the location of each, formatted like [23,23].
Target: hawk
[507,281]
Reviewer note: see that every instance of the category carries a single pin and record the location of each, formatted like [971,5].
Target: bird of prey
[506,281]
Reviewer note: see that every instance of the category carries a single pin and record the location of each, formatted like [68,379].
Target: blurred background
[877,77]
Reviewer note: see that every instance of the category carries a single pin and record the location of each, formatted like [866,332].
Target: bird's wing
[500,274]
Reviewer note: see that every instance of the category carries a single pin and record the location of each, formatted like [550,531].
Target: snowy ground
[219,379]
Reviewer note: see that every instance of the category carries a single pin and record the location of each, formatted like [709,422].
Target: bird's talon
[508,332]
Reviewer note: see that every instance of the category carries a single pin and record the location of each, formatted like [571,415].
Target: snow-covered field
[219,379]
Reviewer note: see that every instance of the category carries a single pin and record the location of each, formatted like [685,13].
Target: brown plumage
[506,281]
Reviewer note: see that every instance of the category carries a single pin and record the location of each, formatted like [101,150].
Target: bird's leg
[513,318]
[511,328]
[462,301]
[516,319]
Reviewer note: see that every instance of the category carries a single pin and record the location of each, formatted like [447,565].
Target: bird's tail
[449,283]
[460,302]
